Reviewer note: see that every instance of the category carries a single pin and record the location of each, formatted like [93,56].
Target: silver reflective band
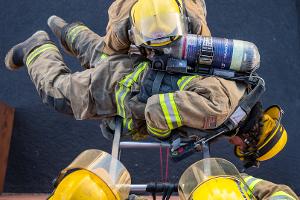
[281,197]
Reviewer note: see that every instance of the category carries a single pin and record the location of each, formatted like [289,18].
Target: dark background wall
[44,141]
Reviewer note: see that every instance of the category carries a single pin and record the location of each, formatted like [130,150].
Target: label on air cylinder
[216,52]
[191,49]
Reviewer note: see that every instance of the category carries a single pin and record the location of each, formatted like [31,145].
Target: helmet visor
[158,30]
[203,171]
[107,168]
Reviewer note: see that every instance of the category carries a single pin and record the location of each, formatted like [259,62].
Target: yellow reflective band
[103,55]
[280,195]
[120,98]
[244,187]
[170,110]
[175,110]
[74,32]
[123,98]
[159,133]
[131,78]
[183,81]
[247,178]
[251,183]
[130,125]
[125,88]
[35,53]
[165,111]
[244,190]
[127,123]
[117,101]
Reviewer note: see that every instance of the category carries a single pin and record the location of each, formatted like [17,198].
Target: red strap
[161,164]
[166,177]
[167,165]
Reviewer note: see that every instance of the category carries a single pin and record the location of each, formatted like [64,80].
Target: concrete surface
[44,141]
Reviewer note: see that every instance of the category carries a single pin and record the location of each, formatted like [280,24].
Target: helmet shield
[103,165]
[158,30]
[204,171]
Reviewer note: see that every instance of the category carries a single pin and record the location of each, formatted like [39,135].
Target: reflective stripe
[131,78]
[159,133]
[125,88]
[74,32]
[174,107]
[103,56]
[244,187]
[183,81]
[280,195]
[35,53]
[170,110]
[127,124]
[247,178]
[251,183]
[120,97]
[130,123]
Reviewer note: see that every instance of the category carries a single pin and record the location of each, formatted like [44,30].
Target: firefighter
[111,85]
[217,178]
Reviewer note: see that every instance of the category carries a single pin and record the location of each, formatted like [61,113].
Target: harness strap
[157,82]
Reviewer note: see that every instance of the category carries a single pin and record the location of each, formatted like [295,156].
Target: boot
[60,28]
[16,56]
[57,24]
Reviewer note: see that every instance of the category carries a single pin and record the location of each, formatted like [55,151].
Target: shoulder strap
[157,82]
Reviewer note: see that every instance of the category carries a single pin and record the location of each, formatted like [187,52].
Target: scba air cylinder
[216,52]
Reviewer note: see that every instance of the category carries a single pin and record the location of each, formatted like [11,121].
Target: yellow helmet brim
[220,188]
[82,184]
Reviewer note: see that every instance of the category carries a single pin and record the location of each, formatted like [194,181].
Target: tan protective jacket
[266,190]
[117,39]
[110,84]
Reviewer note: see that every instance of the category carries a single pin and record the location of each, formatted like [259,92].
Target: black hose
[165,188]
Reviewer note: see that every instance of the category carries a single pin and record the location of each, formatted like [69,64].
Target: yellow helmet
[220,188]
[83,184]
[213,179]
[272,140]
[93,175]
[157,23]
